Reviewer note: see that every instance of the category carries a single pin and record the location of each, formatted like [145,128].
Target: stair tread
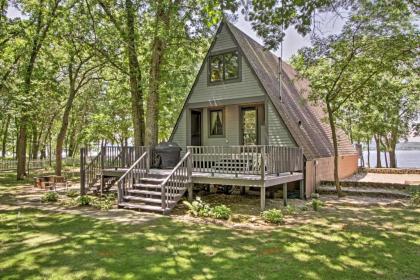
[153,179]
[146,199]
[144,192]
[147,185]
[141,206]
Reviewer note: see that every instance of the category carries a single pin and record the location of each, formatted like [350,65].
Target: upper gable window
[224,67]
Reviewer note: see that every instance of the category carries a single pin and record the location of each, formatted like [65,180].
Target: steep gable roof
[304,120]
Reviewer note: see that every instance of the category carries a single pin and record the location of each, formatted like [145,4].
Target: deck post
[148,159]
[189,172]
[302,189]
[285,194]
[262,197]
[103,151]
[82,171]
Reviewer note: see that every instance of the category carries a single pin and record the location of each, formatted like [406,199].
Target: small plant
[289,210]
[221,212]
[104,203]
[72,193]
[317,204]
[84,200]
[198,208]
[273,216]
[304,208]
[415,199]
[50,197]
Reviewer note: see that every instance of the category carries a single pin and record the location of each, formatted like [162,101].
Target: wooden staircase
[140,190]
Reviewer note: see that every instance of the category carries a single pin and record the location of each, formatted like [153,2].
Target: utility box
[169,154]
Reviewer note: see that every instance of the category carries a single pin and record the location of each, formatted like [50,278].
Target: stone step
[364,191]
[363,184]
[144,207]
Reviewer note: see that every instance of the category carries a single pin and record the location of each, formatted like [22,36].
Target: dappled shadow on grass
[339,243]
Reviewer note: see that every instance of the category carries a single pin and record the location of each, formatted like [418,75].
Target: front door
[249,123]
[195,128]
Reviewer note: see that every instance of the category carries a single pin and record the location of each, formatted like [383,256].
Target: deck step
[142,192]
[147,186]
[153,180]
[146,199]
[152,208]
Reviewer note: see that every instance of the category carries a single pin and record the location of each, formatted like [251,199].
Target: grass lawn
[342,243]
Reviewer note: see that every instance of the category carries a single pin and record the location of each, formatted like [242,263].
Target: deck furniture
[50,182]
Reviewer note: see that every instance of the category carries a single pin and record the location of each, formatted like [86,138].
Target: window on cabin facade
[216,122]
[224,67]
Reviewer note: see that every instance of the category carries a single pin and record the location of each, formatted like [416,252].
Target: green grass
[343,243]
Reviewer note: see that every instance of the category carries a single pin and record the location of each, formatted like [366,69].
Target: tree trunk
[64,123]
[35,146]
[335,145]
[153,98]
[368,153]
[134,76]
[378,151]
[5,134]
[392,148]
[21,150]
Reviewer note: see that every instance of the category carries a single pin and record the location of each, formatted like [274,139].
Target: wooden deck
[243,166]
[223,179]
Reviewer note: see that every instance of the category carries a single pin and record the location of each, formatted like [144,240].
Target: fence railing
[11,164]
[246,160]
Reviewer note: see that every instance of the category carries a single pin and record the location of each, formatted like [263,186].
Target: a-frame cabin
[235,129]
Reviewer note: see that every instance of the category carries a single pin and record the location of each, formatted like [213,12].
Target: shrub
[304,207]
[104,203]
[72,193]
[84,200]
[289,210]
[273,216]
[317,204]
[198,208]
[221,212]
[50,197]
[415,199]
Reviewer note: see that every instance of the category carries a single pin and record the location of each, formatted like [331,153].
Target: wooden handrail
[131,168]
[173,189]
[175,168]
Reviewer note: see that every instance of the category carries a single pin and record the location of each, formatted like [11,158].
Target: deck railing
[121,157]
[133,175]
[89,172]
[246,160]
[176,183]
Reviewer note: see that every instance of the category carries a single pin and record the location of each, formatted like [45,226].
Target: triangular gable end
[248,73]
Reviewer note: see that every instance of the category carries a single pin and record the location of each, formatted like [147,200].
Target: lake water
[405,158]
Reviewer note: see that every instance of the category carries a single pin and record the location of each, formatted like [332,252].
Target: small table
[50,181]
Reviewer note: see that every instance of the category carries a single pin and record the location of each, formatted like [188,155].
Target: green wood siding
[231,128]
[248,87]
[203,95]
[278,134]
[180,135]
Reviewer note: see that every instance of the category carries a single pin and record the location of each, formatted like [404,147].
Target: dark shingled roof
[313,134]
